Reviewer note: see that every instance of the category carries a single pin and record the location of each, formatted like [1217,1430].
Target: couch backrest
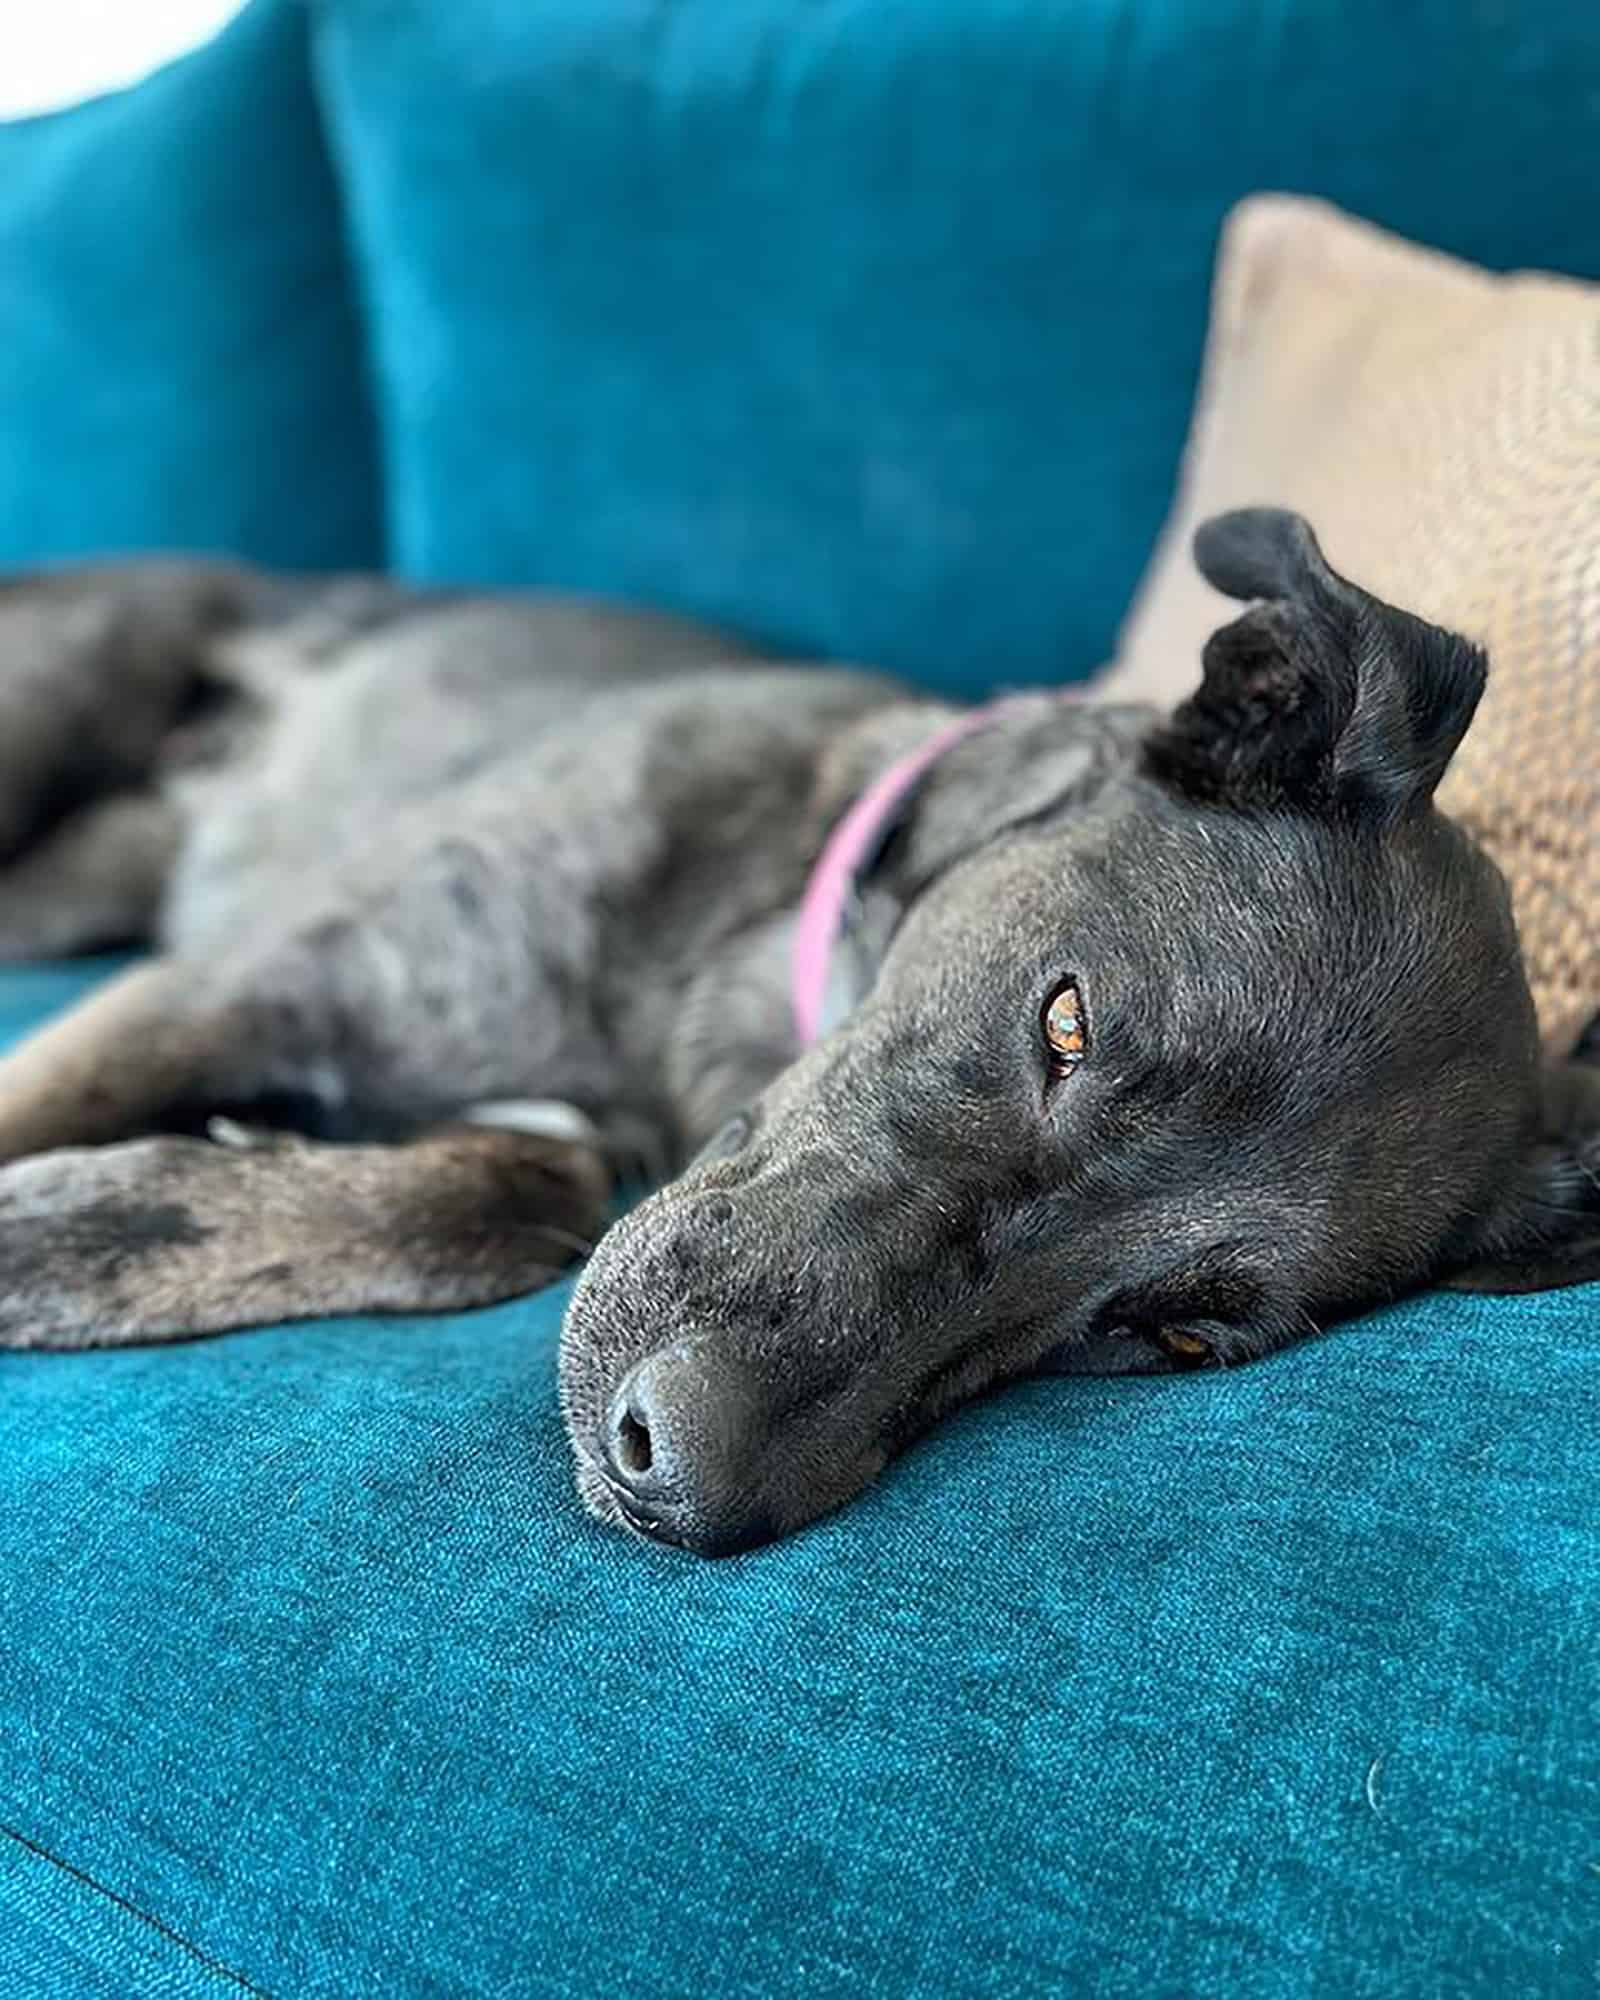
[867,326]
[181,362]
[872,325]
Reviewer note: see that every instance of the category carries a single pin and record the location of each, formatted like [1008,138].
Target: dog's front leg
[160,1046]
[123,1061]
[159,1239]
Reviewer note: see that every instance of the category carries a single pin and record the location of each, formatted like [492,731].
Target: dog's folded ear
[1320,697]
[1546,1230]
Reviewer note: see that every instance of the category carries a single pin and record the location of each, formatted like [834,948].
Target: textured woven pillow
[1440,427]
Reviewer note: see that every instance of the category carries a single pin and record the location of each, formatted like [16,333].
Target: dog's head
[1230,1043]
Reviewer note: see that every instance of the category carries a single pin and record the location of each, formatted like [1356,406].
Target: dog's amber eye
[1066,1032]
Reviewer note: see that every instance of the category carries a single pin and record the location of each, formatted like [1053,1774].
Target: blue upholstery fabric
[180,364]
[314,1678]
[871,326]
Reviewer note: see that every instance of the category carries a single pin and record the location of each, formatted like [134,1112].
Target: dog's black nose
[682,1450]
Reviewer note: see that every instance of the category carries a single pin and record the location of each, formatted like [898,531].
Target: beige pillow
[1439,426]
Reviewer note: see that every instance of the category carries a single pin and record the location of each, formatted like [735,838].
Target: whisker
[579,1244]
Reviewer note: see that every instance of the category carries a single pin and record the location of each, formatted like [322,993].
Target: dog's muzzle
[680,1450]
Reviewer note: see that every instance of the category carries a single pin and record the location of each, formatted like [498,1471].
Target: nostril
[635,1447]
[633,1444]
[681,1446]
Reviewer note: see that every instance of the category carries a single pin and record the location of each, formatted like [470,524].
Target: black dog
[1173,1040]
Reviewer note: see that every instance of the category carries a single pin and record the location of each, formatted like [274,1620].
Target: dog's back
[349,713]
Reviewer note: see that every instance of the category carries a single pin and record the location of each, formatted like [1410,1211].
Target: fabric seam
[212,1965]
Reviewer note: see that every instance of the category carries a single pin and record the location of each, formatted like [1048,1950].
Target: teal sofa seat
[870,325]
[315,1680]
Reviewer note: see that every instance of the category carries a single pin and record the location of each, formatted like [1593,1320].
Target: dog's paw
[80,1228]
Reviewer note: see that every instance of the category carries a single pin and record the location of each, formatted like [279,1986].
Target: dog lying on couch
[1050,1035]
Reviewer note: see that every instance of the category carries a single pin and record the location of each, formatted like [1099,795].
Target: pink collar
[847,851]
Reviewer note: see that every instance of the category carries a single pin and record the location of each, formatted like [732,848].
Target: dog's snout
[703,1233]
[682,1445]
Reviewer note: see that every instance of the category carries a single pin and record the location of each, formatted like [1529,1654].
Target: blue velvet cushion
[180,362]
[314,1680]
[872,326]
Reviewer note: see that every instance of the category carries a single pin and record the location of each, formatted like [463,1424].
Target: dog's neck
[909,791]
[830,905]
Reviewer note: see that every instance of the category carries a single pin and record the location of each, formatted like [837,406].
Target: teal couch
[871,326]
